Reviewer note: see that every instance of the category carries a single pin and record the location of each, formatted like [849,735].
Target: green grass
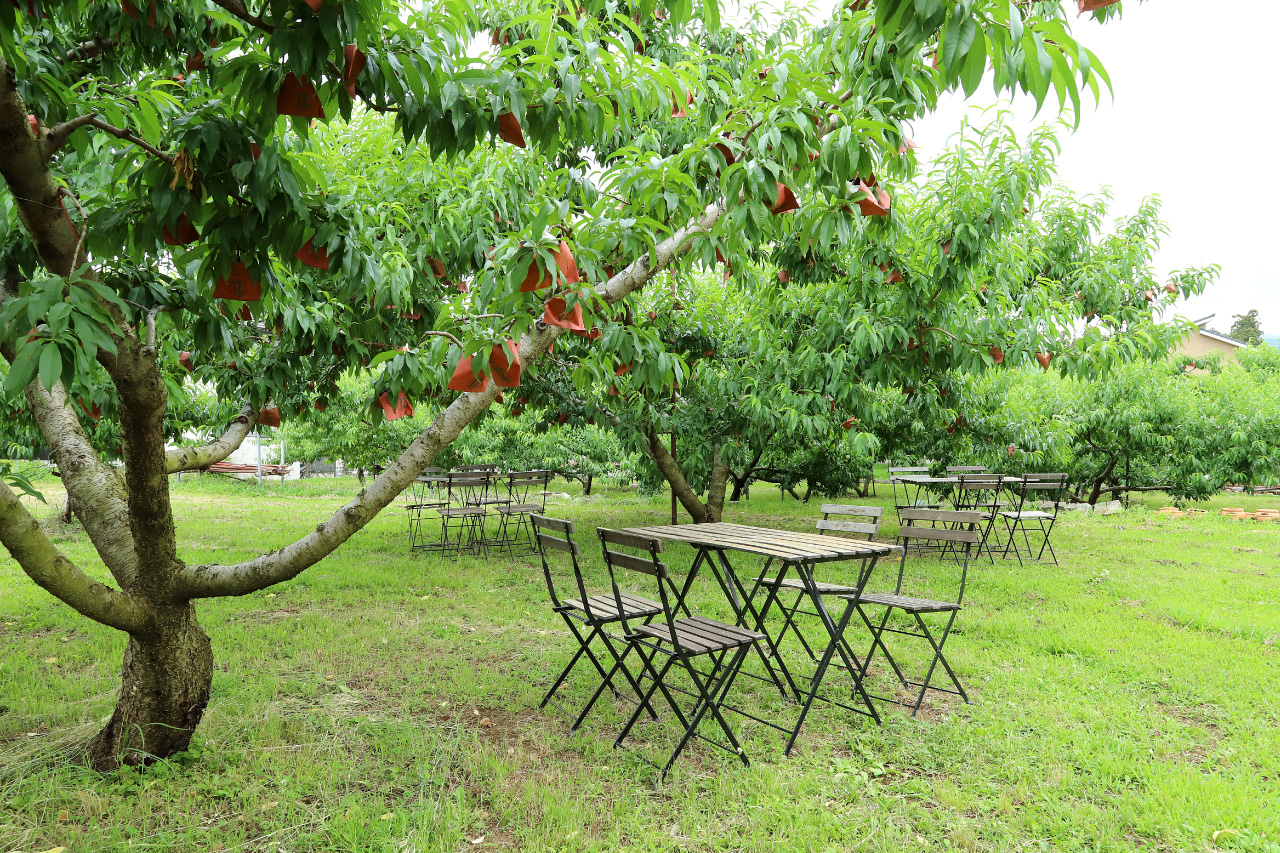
[1125,700]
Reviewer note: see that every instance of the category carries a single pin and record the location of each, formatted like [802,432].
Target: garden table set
[641,639]
[449,512]
[1018,512]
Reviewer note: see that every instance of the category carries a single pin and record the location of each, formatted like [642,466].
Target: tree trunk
[742,481]
[808,493]
[1101,481]
[586,487]
[671,472]
[168,670]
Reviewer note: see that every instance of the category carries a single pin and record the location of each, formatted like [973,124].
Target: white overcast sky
[1195,120]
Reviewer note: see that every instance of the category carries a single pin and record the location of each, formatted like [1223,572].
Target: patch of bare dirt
[1205,731]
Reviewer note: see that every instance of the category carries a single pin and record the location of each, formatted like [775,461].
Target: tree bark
[168,670]
[586,487]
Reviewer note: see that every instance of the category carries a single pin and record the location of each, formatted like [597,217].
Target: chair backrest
[1042,487]
[974,490]
[529,487]
[466,487]
[620,552]
[839,525]
[486,467]
[959,527]
[914,469]
[427,472]
[556,534]
[966,469]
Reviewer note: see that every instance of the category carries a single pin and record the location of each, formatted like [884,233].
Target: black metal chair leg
[877,639]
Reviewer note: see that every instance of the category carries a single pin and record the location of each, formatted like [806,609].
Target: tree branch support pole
[674,518]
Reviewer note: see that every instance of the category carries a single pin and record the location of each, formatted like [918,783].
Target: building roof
[1209,333]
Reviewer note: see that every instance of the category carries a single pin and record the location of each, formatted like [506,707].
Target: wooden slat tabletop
[928,481]
[784,544]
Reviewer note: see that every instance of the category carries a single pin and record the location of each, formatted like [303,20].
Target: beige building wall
[1198,344]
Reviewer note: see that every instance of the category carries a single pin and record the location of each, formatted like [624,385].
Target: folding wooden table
[792,550]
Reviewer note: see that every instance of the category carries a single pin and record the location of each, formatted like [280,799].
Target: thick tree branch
[44,564]
[94,489]
[192,458]
[716,487]
[208,581]
[143,399]
[58,134]
[94,121]
[91,48]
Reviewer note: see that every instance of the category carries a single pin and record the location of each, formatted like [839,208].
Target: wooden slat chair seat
[959,527]
[605,607]
[512,509]
[1034,525]
[679,640]
[591,612]
[460,511]
[907,603]
[1026,513]
[838,524]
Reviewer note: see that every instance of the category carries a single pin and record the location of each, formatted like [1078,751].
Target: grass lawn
[1128,699]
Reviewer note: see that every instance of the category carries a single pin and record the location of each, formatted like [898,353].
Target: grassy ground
[1124,700]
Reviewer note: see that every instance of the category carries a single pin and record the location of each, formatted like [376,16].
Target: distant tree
[1246,328]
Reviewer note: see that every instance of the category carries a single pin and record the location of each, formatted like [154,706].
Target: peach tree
[172,215]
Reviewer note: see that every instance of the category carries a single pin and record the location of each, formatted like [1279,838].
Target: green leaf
[50,365]
[975,65]
[22,370]
[956,41]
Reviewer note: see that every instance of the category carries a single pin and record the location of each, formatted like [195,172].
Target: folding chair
[983,493]
[961,528]
[866,529]
[422,496]
[966,469]
[526,494]
[907,499]
[1033,523]
[589,613]
[461,519]
[680,641]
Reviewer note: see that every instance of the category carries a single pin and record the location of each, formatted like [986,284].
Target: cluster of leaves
[986,265]
[1146,425]
[350,430]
